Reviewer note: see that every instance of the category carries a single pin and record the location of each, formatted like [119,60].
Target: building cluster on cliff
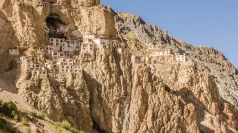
[65,44]
[62,50]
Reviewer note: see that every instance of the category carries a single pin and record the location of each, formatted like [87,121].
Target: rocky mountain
[110,72]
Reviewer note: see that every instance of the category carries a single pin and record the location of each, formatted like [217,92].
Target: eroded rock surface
[111,93]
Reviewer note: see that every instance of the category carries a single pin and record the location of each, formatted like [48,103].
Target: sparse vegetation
[24,121]
[2,123]
[14,116]
[40,115]
[37,114]
[54,126]
[66,125]
[28,130]
[9,109]
[73,130]
[33,113]
[4,126]
[130,36]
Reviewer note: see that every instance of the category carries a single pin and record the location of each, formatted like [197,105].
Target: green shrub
[40,115]
[2,123]
[73,130]
[66,125]
[7,108]
[24,121]
[28,130]
[130,36]
[14,116]
[1,104]
[5,127]
[33,113]
[10,129]
[37,114]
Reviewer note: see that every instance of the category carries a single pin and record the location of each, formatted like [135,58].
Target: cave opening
[50,1]
[56,26]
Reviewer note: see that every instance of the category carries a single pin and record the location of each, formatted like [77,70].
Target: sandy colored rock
[112,93]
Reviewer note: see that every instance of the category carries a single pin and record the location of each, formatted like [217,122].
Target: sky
[210,23]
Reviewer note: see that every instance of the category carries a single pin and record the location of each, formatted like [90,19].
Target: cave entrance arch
[56,27]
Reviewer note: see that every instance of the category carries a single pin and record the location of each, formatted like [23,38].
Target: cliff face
[112,93]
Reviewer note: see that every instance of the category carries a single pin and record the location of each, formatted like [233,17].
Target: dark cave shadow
[189,97]
[91,84]
[8,72]
[204,129]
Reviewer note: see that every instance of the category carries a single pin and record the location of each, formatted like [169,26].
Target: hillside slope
[123,75]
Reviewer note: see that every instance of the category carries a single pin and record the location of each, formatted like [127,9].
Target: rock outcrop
[112,93]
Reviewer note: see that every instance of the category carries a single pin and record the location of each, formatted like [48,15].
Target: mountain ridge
[116,74]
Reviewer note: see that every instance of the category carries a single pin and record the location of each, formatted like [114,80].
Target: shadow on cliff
[189,97]
[8,63]
[97,107]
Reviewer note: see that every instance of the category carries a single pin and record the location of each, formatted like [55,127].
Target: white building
[180,58]
[57,55]
[48,49]
[27,63]
[76,69]
[151,46]
[73,45]
[137,59]
[15,51]
[160,53]
[64,47]
[88,36]
[116,43]
[88,47]
[103,43]
[120,50]
[54,55]
[62,55]
[51,74]
[49,65]
[57,43]
[66,61]
[43,73]
[37,66]
[123,51]
[65,68]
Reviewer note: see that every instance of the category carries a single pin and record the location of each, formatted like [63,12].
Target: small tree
[66,125]
[24,121]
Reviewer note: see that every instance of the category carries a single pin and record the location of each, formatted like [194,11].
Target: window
[89,14]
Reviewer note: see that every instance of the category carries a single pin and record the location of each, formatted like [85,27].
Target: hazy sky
[202,22]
